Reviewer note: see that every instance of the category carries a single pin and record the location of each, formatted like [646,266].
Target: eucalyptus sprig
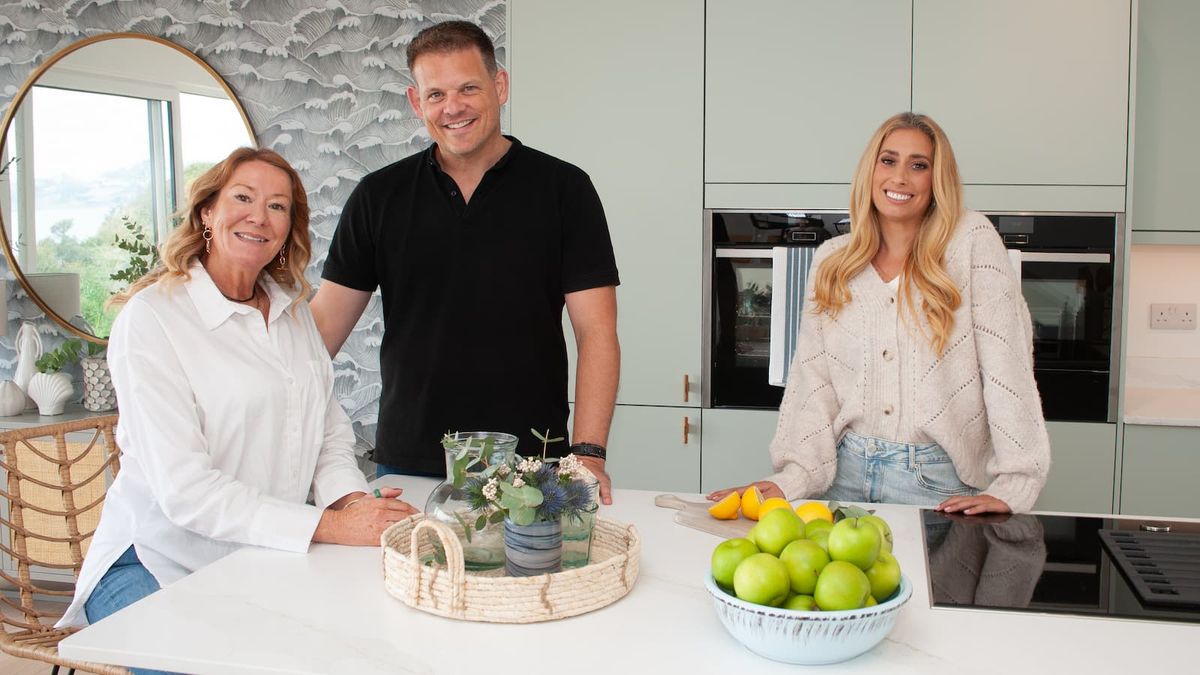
[841,511]
[57,359]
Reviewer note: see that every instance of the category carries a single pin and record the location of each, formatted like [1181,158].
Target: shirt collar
[430,155]
[214,308]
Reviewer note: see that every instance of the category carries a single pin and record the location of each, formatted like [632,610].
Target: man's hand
[596,466]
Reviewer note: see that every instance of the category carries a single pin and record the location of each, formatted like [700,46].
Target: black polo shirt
[473,295]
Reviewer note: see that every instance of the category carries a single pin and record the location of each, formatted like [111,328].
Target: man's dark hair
[451,36]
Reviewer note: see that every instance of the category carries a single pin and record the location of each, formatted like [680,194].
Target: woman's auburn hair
[924,267]
[185,243]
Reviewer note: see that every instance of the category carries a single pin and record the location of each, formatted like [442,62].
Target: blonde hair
[923,268]
[185,244]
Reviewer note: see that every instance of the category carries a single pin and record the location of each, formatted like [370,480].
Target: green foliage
[520,502]
[143,255]
[841,511]
[55,359]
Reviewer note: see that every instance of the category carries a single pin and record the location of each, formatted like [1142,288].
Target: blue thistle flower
[554,500]
[578,496]
[473,492]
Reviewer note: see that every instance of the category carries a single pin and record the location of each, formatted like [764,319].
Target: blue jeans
[875,470]
[126,582]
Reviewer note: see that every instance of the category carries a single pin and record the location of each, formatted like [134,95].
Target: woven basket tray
[448,590]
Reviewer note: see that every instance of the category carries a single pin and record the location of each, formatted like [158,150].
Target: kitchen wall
[1160,274]
[322,82]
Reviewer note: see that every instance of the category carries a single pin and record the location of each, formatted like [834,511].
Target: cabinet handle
[686,387]
[685,430]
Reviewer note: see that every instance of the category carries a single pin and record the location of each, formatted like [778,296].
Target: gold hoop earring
[282,258]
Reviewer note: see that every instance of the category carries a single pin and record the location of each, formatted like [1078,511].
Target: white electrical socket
[1177,316]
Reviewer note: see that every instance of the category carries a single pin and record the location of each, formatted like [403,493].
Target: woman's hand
[974,505]
[363,519]
[765,487]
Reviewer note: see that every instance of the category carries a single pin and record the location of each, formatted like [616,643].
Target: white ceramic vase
[98,392]
[29,349]
[51,391]
[12,399]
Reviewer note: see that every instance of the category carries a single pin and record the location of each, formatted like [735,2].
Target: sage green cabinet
[793,89]
[1159,469]
[1082,463]
[735,445]
[1029,91]
[1166,170]
[649,449]
[617,88]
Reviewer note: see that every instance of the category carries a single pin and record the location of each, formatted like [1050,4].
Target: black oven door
[741,329]
[1070,297]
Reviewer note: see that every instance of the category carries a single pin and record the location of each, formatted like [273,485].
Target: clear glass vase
[483,549]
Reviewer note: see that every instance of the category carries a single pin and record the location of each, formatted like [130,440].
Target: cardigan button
[888,355]
[887,410]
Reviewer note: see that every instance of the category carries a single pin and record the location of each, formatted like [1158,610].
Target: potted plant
[50,388]
[99,395]
[531,496]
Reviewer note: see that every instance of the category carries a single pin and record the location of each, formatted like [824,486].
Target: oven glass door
[741,325]
[1070,297]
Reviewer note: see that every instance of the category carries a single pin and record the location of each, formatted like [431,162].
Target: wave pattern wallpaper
[323,83]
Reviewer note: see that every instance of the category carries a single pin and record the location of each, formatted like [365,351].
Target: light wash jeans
[875,470]
[126,582]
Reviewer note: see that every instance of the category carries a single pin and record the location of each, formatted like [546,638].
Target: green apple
[821,537]
[804,559]
[762,579]
[885,531]
[884,576]
[727,556]
[801,602]
[776,529]
[816,525]
[841,586]
[855,541]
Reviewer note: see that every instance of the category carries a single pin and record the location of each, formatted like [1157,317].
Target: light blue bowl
[809,638]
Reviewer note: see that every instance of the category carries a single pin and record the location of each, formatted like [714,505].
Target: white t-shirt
[227,423]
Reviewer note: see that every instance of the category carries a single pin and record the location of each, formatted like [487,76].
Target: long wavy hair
[185,244]
[924,267]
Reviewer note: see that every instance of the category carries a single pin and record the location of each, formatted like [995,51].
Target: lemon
[810,511]
[727,508]
[771,504]
[751,500]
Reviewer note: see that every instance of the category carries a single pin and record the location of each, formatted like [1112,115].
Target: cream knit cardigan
[979,401]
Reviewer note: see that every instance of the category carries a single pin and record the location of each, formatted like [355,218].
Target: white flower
[503,470]
[489,490]
[572,467]
[529,465]
[517,482]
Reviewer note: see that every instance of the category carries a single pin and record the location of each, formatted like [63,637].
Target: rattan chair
[56,479]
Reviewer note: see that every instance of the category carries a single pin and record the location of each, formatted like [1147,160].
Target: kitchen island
[260,611]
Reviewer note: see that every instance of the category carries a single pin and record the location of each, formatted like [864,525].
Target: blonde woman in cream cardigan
[912,380]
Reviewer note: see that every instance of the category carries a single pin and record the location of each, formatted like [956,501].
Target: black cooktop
[1081,565]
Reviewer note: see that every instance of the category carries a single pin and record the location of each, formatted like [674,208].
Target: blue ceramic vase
[530,550]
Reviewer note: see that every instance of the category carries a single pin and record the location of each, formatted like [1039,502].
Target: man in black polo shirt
[476,244]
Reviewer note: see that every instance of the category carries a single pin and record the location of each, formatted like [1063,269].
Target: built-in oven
[1070,277]
[738,280]
[1071,280]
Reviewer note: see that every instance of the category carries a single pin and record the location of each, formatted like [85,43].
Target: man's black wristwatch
[589,450]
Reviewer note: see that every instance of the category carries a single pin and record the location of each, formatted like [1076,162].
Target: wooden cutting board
[695,515]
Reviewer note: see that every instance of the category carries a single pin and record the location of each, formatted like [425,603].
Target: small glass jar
[483,549]
[577,530]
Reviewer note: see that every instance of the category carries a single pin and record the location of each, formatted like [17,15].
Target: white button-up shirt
[227,423]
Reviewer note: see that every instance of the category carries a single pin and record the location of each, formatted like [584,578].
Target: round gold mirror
[97,149]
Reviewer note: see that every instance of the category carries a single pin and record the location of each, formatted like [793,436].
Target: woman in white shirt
[912,380]
[228,419]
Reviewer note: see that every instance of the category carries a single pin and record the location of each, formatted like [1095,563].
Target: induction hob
[1061,565]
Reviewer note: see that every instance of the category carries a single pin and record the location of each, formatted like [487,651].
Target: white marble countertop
[1165,406]
[260,611]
